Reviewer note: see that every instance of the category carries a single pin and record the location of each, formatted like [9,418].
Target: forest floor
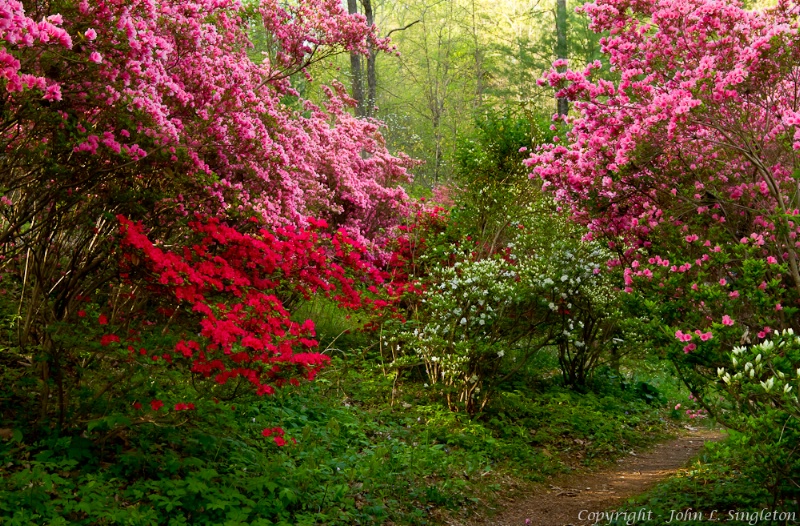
[566,499]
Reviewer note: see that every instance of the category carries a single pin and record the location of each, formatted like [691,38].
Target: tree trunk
[562,104]
[356,68]
[478,60]
[368,109]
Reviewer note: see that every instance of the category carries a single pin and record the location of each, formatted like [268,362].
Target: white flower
[758,358]
[720,371]
[787,388]
[500,354]
[564,277]
[768,384]
[463,321]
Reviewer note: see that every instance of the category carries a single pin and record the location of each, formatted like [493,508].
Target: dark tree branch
[402,28]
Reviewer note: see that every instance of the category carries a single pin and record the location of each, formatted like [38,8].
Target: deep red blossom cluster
[403,270]
[277,434]
[235,283]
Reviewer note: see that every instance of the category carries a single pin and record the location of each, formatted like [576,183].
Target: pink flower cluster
[701,83]
[173,82]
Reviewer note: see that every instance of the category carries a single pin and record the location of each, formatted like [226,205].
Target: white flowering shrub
[472,315]
[572,277]
[757,395]
[485,313]
[764,375]
[505,277]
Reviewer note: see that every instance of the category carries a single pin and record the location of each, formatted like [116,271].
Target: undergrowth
[370,448]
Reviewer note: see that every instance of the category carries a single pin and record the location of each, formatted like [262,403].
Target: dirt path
[567,496]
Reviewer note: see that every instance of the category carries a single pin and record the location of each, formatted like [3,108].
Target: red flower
[156,405]
[106,339]
[277,431]
[81,314]
[280,441]
[102,320]
[137,405]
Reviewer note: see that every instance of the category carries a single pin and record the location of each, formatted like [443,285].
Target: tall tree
[364,95]
[562,51]
[372,79]
[356,68]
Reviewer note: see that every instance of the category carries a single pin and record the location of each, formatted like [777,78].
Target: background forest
[375,262]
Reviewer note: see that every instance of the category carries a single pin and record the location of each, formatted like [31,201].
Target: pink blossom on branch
[698,139]
[700,80]
[181,74]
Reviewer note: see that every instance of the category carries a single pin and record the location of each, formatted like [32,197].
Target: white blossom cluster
[766,367]
[573,282]
[459,315]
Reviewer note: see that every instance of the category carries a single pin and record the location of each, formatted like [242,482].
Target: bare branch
[402,28]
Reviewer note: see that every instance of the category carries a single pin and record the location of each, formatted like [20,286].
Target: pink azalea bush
[135,79]
[686,165]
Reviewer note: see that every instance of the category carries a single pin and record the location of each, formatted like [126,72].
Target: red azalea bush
[234,286]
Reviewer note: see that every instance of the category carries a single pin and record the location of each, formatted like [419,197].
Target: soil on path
[561,502]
